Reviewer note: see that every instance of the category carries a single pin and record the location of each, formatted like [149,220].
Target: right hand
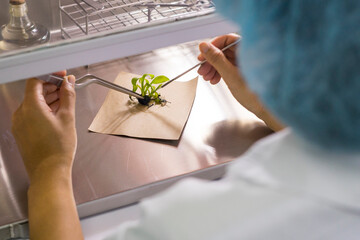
[219,64]
[224,65]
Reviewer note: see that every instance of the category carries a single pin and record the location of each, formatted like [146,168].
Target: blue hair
[302,58]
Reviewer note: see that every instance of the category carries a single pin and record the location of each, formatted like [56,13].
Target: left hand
[44,127]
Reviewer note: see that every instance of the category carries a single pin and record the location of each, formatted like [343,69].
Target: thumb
[216,58]
[67,95]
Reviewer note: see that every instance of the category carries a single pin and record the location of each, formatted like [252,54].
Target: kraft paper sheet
[119,116]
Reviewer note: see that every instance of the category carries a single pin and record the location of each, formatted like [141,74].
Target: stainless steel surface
[80,21]
[134,35]
[198,64]
[61,54]
[81,18]
[18,231]
[111,171]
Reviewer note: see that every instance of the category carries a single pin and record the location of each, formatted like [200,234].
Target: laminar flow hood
[135,36]
[86,32]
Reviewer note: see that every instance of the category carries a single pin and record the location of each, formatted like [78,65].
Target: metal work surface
[111,171]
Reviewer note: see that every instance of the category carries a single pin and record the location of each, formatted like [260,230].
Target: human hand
[224,65]
[44,126]
[219,64]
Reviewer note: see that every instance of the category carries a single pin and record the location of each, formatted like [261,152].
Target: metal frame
[123,14]
[87,49]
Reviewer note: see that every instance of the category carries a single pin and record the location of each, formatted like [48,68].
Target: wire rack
[88,17]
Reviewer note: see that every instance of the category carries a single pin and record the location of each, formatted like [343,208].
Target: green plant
[148,85]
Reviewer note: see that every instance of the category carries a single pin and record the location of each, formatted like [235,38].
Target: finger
[55,106]
[204,69]
[201,57]
[60,73]
[52,97]
[225,40]
[216,58]
[215,79]
[67,95]
[229,53]
[210,75]
[49,88]
[221,42]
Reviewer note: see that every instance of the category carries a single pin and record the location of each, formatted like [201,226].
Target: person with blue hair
[298,63]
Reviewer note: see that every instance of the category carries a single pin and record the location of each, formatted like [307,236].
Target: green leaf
[134,81]
[152,89]
[135,88]
[150,75]
[141,80]
[160,79]
[147,86]
[158,87]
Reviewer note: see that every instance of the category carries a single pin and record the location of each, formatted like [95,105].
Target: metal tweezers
[87,80]
[199,64]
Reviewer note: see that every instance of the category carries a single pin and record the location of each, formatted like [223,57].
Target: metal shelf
[90,49]
[87,17]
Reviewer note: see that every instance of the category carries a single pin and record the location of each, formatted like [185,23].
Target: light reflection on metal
[8,190]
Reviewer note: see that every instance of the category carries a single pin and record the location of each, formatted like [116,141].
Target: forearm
[52,208]
[270,120]
[252,103]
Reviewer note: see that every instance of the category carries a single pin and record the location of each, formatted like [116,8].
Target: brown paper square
[119,116]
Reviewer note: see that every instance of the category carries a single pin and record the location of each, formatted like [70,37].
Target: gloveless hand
[44,126]
[224,65]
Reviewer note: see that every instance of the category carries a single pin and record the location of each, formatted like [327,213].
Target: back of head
[302,58]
